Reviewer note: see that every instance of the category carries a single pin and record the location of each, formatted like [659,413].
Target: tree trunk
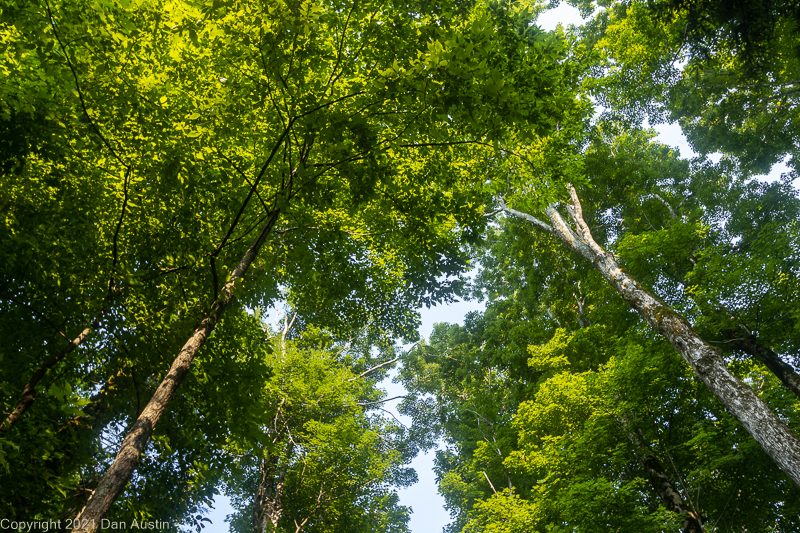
[265,491]
[660,481]
[116,477]
[29,391]
[753,347]
[268,500]
[757,418]
[666,490]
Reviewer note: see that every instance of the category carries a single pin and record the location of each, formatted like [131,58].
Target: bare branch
[485,420]
[576,202]
[287,326]
[392,415]
[381,401]
[525,216]
[364,373]
[489,482]
[672,213]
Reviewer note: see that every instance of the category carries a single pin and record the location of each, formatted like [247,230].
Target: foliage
[726,71]
[344,458]
[144,145]
[554,399]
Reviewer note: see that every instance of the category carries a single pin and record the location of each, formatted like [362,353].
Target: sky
[429,515]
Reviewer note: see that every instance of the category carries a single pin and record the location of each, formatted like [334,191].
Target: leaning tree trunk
[752,346]
[757,418]
[116,477]
[28,395]
[659,480]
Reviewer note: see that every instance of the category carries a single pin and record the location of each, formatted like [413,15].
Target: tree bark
[775,438]
[29,391]
[660,481]
[666,490]
[116,477]
[265,491]
[753,347]
[268,500]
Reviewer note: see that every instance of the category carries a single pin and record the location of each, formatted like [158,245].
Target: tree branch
[380,401]
[78,89]
[111,284]
[489,481]
[525,216]
[373,368]
[29,391]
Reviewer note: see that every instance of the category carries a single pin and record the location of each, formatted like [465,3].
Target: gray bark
[268,501]
[116,477]
[775,438]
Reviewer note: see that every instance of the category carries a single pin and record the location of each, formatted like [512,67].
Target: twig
[364,373]
[380,401]
[489,481]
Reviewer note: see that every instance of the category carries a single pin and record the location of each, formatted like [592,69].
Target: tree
[209,156]
[561,392]
[563,165]
[211,159]
[685,217]
[768,430]
[726,71]
[323,462]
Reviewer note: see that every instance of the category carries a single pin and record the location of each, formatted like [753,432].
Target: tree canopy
[171,170]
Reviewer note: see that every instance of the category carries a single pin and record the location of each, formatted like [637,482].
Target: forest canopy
[171,171]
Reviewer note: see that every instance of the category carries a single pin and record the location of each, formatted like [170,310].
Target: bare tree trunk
[265,491]
[268,500]
[29,391]
[116,477]
[757,418]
